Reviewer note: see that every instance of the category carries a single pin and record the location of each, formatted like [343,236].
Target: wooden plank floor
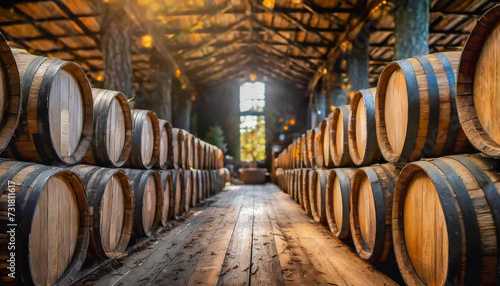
[246,235]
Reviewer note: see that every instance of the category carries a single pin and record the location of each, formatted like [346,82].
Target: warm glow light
[100,77]
[193,98]
[147,41]
[325,71]
[285,128]
[280,120]
[155,6]
[269,3]
[296,1]
[169,2]
[178,73]
[292,121]
[143,2]
[332,107]
[253,76]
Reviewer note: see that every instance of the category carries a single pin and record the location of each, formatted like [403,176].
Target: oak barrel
[324,142]
[112,139]
[371,211]
[446,221]
[207,156]
[188,189]
[337,207]
[148,195]
[187,151]
[168,209]
[362,133]
[196,154]
[55,127]
[317,193]
[166,151]
[310,135]
[177,143]
[145,139]
[201,183]
[201,155]
[478,88]
[10,94]
[415,108]
[178,187]
[339,147]
[52,221]
[306,204]
[194,187]
[111,204]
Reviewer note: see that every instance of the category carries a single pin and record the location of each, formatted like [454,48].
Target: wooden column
[411,31]
[159,87]
[181,106]
[358,61]
[115,45]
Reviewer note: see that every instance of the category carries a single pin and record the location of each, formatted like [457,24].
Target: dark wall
[221,106]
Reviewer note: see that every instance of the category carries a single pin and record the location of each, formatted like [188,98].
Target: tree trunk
[411,32]
[115,38]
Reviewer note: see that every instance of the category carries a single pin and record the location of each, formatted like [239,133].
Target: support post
[411,31]
[358,60]
[115,38]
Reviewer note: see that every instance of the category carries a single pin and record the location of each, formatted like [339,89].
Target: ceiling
[219,41]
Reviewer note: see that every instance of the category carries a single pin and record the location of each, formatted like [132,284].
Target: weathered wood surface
[246,235]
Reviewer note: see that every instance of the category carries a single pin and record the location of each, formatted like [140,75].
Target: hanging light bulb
[178,73]
[253,76]
[269,3]
[147,41]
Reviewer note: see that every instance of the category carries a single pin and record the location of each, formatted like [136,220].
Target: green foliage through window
[252,138]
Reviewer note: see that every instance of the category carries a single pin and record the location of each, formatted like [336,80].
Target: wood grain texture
[477,85]
[337,194]
[339,147]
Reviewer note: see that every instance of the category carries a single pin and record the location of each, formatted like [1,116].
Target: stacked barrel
[55,212]
[389,171]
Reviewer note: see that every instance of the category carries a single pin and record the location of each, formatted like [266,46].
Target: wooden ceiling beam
[45,20]
[260,10]
[77,21]
[223,29]
[226,68]
[301,26]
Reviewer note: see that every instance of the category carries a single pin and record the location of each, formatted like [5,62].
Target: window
[252,122]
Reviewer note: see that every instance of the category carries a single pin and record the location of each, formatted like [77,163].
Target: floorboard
[246,235]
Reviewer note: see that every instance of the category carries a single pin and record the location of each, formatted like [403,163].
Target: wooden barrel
[55,126]
[337,201]
[207,156]
[415,108]
[220,159]
[317,193]
[178,187]
[310,134]
[213,158]
[168,210]
[145,139]
[196,154]
[296,176]
[446,223]
[318,148]
[478,90]
[324,143]
[177,143]
[206,184]
[362,133]
[201,155]
[371,211]
[148,193]
[194,188]
[303,149]
[200,182]
[10,95]
[188,189]
[111,205]
[112,131]
[306,204]
[339,146]
[187,151]
[300,199]
[165,154]
[53,224]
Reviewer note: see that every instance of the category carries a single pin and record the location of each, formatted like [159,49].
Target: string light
[100,77]
[147,41]
[285,127]
[292,121]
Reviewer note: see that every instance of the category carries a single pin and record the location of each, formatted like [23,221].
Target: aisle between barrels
[246,235]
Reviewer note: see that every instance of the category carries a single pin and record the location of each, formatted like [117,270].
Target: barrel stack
[64,148]
[401,184]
